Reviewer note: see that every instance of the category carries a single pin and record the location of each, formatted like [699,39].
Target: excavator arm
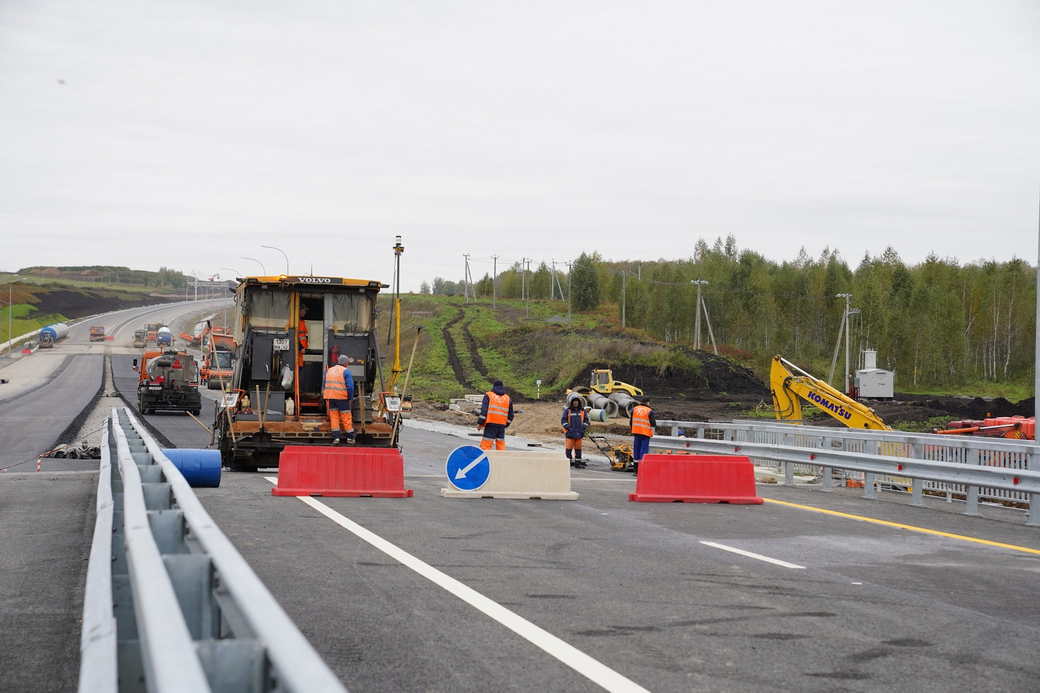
[790,385]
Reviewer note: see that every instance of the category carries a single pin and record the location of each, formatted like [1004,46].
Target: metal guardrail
[170,604]
[976,468]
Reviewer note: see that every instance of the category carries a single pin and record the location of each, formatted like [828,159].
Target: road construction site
[817,588]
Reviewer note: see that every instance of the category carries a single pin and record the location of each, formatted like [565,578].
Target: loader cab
[602,378]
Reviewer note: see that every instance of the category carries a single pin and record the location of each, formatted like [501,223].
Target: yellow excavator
[790,384]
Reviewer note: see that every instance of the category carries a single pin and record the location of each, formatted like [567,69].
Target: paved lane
[30,423]
[652,591]
[634,586]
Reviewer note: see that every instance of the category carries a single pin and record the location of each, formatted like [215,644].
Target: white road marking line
[757,556]
[582,663]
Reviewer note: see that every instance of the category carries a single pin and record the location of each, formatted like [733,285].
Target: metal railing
[1001,470]
[170,604]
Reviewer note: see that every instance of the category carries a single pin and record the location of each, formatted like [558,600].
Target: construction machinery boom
[790,384]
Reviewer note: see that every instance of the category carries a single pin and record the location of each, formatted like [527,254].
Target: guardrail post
[916,485]
[1033,516]
[870,478]
[971,496]
[675,432]
[700,432]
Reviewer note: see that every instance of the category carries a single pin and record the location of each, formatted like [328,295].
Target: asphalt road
[30,423]
[47,518]
[633,585]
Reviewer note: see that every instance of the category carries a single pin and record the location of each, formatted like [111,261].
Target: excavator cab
[289,330]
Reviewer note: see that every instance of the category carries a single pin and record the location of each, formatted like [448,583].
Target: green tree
[585,282]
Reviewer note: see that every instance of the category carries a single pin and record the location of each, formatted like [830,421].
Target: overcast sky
[188,133]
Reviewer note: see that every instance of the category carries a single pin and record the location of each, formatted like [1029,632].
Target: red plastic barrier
[312,470]
[695,479]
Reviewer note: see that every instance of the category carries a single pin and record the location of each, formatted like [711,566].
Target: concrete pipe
[597,414]
[574,395]
[598,401]
[625,403]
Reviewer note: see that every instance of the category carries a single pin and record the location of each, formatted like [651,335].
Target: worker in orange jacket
[302,336]
[496,412]
[642,423]
[337,393]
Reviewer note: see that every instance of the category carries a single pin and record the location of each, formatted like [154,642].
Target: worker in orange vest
[302,337]
[642,423]
[337,393]
[496,412]
[574,422]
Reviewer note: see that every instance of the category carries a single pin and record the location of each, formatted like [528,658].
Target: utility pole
[10,316]
[527,283]
[1036,362]
[697,320]
[552,286]
[848,299]
[570,294]
[711,333]
[624,293]
[494,280]
[465,279]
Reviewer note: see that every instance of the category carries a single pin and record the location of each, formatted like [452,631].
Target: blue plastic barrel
[201,468]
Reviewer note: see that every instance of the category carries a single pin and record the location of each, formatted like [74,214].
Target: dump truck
[168,380]
[140,339]
[97,333]
[274,397]
[152,332]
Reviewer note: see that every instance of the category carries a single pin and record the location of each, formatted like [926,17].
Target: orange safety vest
[301,334]
[641,421]
[335,383]
[498,408]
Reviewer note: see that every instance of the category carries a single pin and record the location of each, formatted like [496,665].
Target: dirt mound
[76,304]
[712,376]
[970,408]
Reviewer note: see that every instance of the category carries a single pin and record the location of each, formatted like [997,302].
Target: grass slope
[465,346]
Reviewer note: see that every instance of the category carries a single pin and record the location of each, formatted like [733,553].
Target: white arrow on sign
[461,474]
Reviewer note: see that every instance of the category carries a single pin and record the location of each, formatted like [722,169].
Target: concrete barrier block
[522,475]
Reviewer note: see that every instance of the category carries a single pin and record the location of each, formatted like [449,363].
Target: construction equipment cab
[602,381]
[168,381]
[790,384]
[274,397]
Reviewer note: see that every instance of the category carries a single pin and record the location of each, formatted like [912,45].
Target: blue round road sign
[467,467]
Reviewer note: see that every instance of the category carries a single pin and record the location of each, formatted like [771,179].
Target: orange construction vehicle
[283,378]
[1014,427]
[152,332]
[168,380]
[218,361]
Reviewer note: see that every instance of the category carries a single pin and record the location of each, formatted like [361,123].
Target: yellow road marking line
[900,525]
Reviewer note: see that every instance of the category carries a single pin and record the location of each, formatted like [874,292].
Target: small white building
[873,382]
